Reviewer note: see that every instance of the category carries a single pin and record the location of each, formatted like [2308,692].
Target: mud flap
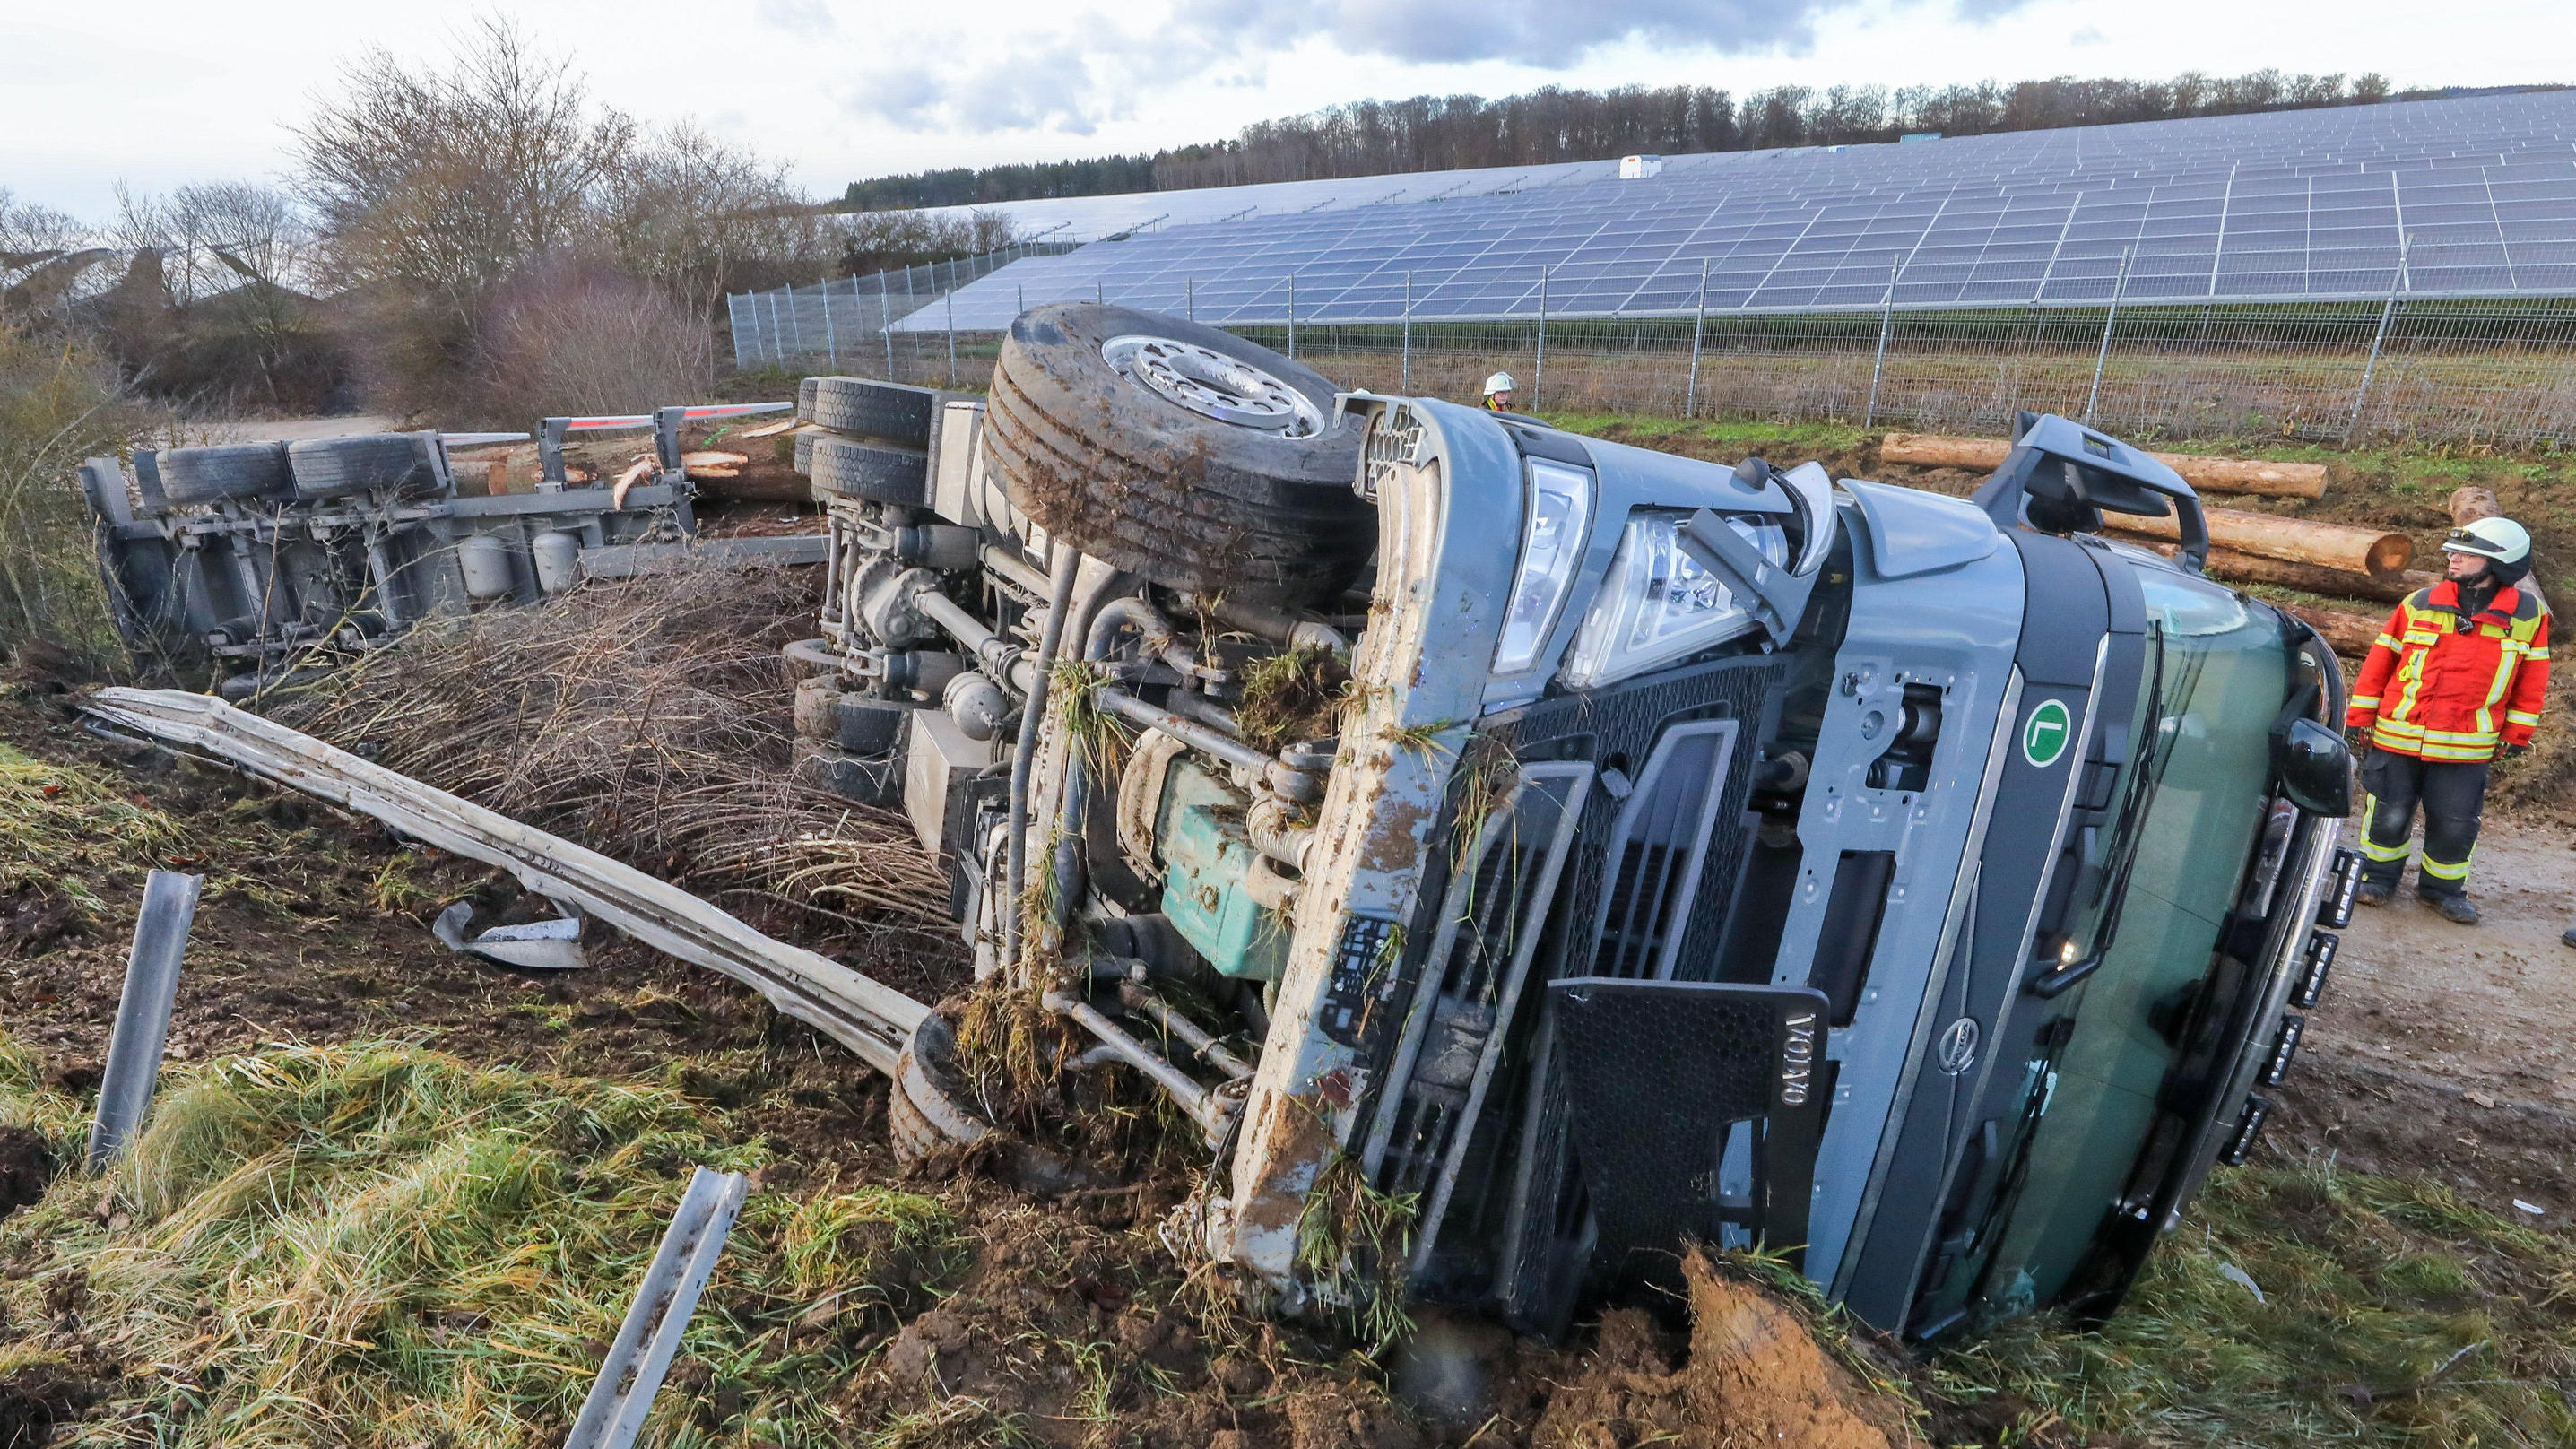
[1658,1073]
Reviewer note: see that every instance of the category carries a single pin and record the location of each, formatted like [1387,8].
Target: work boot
[2372,893]
[2459,910]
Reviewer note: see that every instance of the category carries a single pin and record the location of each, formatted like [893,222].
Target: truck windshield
[2192,798]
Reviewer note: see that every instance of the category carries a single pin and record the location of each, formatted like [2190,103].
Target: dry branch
[647,719]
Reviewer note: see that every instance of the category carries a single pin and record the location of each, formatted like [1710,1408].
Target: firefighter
[1498,393]
[2455,681]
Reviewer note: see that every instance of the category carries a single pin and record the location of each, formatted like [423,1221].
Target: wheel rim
[1213,385]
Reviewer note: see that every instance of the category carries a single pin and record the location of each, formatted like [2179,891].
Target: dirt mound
[1752,1373]
[1071,1334]
[26,1167]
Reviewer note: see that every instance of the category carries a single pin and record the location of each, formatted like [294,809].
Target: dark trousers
[2452,795]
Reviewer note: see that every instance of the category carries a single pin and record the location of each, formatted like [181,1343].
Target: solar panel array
[2467,197]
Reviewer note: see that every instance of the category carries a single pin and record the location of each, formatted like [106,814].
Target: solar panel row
[2465,197]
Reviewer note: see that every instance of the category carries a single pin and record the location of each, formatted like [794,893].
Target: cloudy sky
[162,92]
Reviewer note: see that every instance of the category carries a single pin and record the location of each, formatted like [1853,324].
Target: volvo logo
[1958,1049]
[1798,1059]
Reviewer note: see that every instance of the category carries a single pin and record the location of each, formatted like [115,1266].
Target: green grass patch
[379,1245]
[2392,1313]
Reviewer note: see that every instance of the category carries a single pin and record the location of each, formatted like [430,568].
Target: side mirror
[2314,767]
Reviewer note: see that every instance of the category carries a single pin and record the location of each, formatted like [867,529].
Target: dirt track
[2451,1050]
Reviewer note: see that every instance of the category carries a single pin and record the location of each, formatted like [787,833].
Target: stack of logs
[2333,559]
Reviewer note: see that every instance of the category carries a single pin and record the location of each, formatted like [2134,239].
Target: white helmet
[1499,382]
[2500,539]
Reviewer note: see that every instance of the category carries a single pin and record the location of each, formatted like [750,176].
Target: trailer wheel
[854,469]
[1177,451]
[230,470]
[329,467]
[892,411]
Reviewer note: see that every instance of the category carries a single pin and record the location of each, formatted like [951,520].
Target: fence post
[950,301]
[1538,365]
[1190,298]
[1699,324]
[777,341]
[831,343]
[1023,290]
[1099,292]
[2387,313]
[2119,284]
[1886,324]
[1292,314]
[1406,385]
[795,320]
[885,315]
[143,1012]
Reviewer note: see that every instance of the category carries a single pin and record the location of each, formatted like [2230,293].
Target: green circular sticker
[2044,736]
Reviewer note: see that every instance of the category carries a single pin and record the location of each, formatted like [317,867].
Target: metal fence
[2495,370]
[848,322]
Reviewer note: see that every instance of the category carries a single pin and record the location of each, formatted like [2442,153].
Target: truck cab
[1921,887]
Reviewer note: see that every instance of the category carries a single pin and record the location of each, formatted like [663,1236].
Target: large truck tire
[853,469]
[329,467]
[1177,451]
[230,470]
[891,411]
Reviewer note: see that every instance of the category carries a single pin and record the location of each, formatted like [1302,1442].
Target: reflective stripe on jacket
[2442,687]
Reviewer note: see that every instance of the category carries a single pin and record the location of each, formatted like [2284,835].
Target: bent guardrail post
[143,1014]
[867,1016]
[650,1337]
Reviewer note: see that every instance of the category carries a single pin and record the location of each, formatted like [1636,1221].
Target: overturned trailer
[259,557]
[1925,888]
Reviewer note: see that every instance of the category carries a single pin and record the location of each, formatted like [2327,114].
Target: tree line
[1553,123]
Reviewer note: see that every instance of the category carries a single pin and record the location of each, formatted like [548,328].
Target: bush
[59,403]
[578,338]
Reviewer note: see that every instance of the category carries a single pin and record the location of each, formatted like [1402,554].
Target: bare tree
[687,211]
[449,181]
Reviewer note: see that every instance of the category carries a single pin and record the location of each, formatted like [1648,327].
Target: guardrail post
[2387,313]
[1699,325]
[650,1337]
[1406,385]
[143,1012]
[2119,284]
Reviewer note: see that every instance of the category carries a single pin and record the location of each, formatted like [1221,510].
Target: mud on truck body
[1923,887]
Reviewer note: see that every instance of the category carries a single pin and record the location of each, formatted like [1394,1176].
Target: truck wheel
[855,469]
[928,1109]
[1177,451]
[328,467]
[231,470]
[891,411]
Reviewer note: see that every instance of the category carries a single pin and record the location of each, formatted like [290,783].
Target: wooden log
[2374,552]
[2229,566]
[2347,633]
[2221,475]
[2472,503]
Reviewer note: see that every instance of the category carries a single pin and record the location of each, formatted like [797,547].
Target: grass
[64,827]
[2393,1313]
[58,405]
[378,1245]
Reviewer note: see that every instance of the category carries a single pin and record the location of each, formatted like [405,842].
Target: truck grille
[1489,927]
[1657,849]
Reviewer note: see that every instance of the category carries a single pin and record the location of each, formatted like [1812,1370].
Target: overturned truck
[1591,848]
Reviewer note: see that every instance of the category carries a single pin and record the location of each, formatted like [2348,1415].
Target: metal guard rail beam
[870,1018]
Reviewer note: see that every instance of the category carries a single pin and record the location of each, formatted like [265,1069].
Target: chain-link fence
[2495,370]
[847,324]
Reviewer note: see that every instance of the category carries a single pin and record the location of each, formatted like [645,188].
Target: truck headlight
[1660,601]
[1556,522]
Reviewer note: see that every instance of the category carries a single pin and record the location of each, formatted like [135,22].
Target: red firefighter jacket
[2447,688]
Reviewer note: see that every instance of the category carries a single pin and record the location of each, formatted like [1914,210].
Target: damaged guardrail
[870,1018]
